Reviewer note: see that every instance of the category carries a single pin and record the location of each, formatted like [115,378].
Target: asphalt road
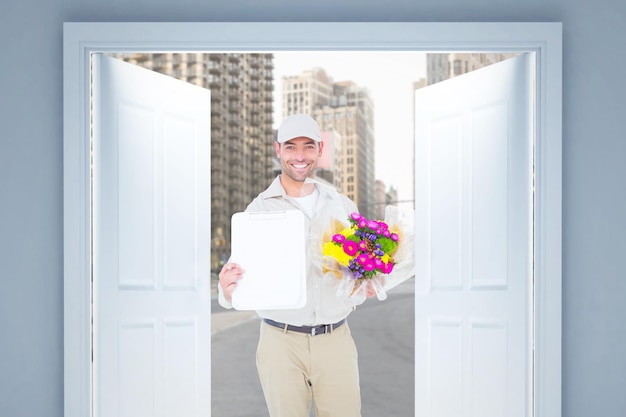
[384,332]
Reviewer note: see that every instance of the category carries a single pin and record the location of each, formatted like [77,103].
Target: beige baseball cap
[298,125]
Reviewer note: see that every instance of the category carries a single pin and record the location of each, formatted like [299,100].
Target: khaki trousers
[296,369]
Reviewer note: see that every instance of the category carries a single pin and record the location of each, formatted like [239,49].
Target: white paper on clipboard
[270,247]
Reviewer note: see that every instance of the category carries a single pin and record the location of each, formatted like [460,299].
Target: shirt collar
[276,189]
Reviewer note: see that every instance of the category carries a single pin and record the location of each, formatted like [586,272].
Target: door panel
[474,244]
[151,213]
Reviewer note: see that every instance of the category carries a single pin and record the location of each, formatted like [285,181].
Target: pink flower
[362,245]
[372,224]
[388,267]
[394,237]
[355,216]
[339,238]
[378,264]
[350,248]
[362,223]
[386,233]
[369,265]
[362,259]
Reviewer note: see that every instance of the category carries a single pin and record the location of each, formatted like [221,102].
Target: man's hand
[230,274]
[371,291]
[371,288]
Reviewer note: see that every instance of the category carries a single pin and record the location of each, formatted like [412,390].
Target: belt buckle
[323,328]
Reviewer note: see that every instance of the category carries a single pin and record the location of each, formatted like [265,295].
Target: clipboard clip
[268,215]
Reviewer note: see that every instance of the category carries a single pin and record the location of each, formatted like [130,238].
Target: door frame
[544,40]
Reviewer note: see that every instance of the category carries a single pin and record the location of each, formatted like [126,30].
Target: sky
[389,76]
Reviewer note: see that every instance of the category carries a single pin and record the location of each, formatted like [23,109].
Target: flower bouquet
[365,252]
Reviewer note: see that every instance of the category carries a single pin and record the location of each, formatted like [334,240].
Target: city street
[384,334]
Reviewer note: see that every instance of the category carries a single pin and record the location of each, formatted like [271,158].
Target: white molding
[82,39]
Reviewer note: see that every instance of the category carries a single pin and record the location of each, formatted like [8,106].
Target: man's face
[298,157]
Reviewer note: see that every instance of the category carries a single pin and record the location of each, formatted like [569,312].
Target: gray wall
[31,167]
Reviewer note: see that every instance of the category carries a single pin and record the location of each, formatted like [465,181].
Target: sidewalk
[225,319]
[228,319]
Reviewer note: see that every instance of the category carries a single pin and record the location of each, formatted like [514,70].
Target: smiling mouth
[299,166]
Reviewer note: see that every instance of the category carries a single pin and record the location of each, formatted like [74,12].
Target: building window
[457,67]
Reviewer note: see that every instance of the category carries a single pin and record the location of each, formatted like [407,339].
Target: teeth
[300,166]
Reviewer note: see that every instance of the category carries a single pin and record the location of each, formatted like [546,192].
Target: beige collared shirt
[322,306]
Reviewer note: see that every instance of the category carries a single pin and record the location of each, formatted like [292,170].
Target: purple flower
[350,248]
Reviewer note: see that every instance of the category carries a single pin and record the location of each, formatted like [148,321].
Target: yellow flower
[347,232]
[336,252]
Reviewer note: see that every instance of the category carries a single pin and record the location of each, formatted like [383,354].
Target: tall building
[440,67]
[241,127]
[348,110]
[306,92]
[381,200]
[391,197]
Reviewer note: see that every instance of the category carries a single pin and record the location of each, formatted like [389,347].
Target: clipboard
[270,247]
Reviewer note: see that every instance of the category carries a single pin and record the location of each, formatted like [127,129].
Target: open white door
[151,243]
[474,223]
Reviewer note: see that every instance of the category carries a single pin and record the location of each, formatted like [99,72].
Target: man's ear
[321,147]
[277,149]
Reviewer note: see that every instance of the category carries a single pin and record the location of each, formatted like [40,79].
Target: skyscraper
[442,66]
[348,110]
[241,127]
